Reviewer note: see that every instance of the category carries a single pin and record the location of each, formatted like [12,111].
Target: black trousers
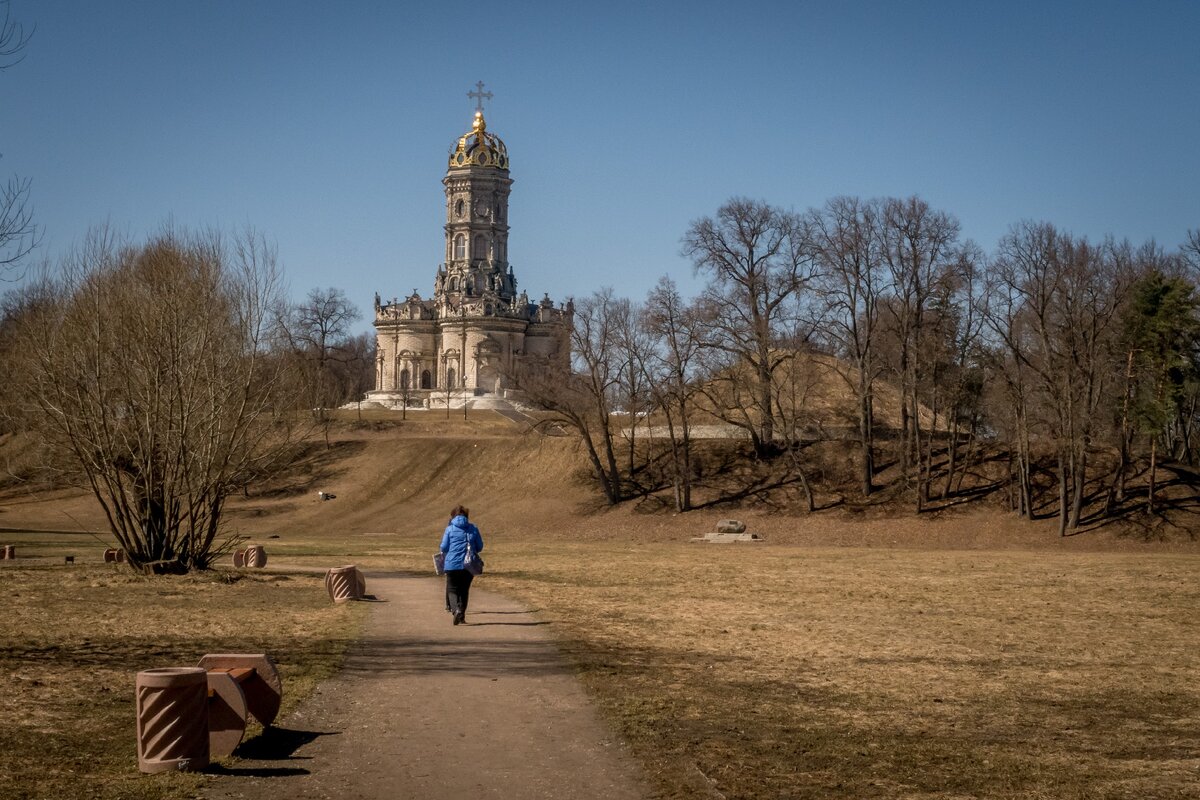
[458,590]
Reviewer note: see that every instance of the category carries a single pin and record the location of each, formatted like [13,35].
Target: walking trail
[425,709]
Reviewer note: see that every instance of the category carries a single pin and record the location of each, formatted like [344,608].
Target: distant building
[476,330]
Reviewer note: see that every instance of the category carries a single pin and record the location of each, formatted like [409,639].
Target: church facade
[476,332]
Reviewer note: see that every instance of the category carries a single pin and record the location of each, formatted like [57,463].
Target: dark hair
[460,511]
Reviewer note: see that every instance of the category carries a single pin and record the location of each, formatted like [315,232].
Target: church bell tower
[477,188]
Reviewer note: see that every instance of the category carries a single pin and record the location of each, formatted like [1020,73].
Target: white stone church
[476,330]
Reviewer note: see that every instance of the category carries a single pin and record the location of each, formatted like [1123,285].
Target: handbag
[439,563]
[472,563]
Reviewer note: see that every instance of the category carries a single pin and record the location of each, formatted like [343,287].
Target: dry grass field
[73,638]
[778,672]
[955,656]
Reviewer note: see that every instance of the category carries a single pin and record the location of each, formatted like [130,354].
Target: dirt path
[425,709]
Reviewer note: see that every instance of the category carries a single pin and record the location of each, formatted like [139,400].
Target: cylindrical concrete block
[342,583]
[239,558]
[10,552]
[362,583]
[256,556]
[172,719]
[110,555]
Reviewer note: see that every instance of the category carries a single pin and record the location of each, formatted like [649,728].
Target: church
[476,332]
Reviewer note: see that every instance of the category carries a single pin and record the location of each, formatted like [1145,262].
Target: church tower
[477,186]
[476,334]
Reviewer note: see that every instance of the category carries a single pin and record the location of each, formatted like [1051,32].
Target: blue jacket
[454,541]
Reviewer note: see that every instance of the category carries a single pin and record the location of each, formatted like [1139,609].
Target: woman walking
[459,534]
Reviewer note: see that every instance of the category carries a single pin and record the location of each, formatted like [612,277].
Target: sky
[326,126]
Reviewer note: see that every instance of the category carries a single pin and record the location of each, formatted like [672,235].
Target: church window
[426,380]
[450,377]
[460,246]
[479,248]
[404,379]
[454,284]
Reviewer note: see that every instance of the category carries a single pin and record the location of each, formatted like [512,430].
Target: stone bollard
[345,583]
[239,558]
[10,552]
[256,556]
[172,719]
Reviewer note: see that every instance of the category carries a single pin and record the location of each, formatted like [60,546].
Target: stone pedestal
[256,556]
[345,583]
[172,719]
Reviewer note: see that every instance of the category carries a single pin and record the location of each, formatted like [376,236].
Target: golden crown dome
[479,148]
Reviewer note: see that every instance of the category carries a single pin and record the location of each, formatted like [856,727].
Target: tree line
[1071,358]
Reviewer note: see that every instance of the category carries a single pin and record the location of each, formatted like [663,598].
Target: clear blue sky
[326,125]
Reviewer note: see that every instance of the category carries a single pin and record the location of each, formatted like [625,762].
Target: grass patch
[72,639]
[785,672]
[758,671]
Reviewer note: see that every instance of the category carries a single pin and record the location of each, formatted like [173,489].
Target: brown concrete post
[110,555]
[256,556]
[343,583]
[10,552]
[239,558]
[172,719]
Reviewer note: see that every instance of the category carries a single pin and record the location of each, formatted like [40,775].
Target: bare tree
[632,350]
[151,367]
[18,233]
[671,373]
[962,383]
[1056,300]
[318,329]
[1190,249]
[844,236]
[918,248]
[580,395]
[13,38]
[756,259]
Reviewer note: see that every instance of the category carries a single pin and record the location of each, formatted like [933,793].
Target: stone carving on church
[470,337]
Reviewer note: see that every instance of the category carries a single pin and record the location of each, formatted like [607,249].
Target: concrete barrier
[172,719]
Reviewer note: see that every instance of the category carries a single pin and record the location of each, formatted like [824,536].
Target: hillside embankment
[393,476]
